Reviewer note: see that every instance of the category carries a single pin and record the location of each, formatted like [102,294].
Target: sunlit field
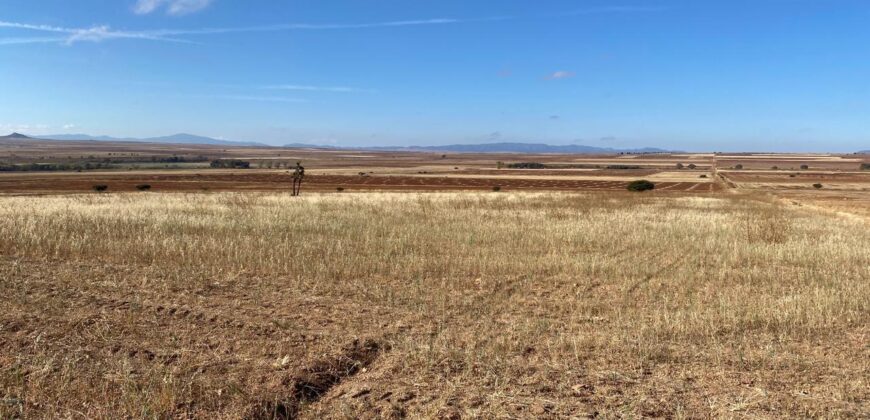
[508,305]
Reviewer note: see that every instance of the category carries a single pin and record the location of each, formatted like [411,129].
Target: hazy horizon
[772,75]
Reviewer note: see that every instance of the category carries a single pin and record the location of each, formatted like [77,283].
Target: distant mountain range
[499,148]
[181,138]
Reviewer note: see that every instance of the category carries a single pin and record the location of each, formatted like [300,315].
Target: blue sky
[762,75]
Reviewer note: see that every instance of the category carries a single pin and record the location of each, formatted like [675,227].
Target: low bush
[641,185]
[143,187]
[622,167]
[496,188]
[527,165]
[100,188]
[817,185]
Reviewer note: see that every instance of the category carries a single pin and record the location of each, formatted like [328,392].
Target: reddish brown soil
[266,181]
[798,177]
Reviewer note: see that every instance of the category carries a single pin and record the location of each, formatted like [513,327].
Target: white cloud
[24,128]
[561,74]
[173,7]
[180,7]
[254,98]
[73,35]
[102,32]
[69,126]
[305,88]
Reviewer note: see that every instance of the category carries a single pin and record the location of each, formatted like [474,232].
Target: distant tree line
[536,165]
[230,164]
[47,167]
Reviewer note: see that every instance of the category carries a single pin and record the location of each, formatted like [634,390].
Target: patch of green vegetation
[641,185]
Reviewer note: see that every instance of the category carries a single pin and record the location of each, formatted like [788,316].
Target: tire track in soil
[315,380]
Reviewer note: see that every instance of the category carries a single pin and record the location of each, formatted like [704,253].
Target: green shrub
[805,167]
[496,188]
[339,189]
[817,186]
[703,176]
[738,166]
[865,166]
[641,185]
[143,187]
[692,166]
[100,188]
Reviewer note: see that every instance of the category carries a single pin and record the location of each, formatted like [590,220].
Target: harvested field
[274,180]
[438,305]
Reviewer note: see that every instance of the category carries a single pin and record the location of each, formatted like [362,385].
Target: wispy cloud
[179,7]
[307,88]
[561,74]
[103,32]
[254,98]
[19,41]
[173,7]
[73,35]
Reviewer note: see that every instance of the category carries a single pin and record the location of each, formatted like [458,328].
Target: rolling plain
[432,285]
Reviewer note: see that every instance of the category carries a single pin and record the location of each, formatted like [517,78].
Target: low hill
[181,138]
[15,136]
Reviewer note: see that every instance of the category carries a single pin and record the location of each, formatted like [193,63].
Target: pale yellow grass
[511,305]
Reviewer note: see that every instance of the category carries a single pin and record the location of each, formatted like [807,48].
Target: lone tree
[298,176]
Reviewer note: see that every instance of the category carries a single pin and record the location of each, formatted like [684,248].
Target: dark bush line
[527,165]
[48,167]
[537,165]
[230,164]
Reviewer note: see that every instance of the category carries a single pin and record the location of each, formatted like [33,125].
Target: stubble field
[436,305]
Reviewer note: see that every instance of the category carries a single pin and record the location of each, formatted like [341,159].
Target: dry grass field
[431,305]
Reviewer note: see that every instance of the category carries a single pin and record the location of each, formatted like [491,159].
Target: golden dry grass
[480,305]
